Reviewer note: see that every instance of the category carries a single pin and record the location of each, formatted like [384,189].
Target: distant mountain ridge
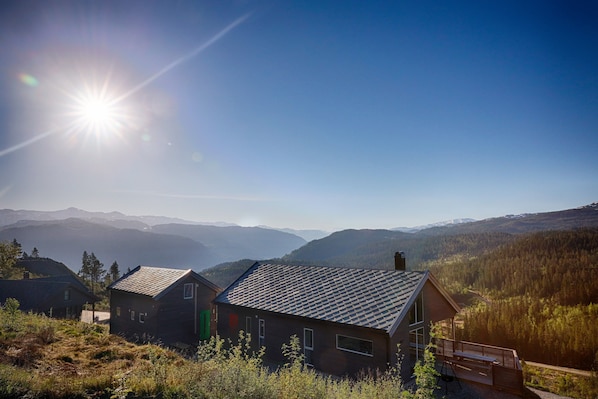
[120,220]
[131,243]
[374,248]
[583,216]
[131,240]
[428,226]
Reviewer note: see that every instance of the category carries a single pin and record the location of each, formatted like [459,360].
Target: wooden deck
[484,364]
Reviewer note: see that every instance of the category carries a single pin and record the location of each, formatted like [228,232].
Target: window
[355,345]
[416,314]
[247,325]
[262,331]
[133,315]
[188,291]
[308,345]
[118,311]
[142,317]
[416,343]
[67,294]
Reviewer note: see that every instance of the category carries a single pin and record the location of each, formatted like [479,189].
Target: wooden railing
[501,365]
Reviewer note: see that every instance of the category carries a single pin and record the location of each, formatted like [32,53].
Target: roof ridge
[341,267]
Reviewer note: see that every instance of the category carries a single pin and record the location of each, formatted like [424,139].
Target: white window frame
[247,325]
[352,350]
[142,317]
[417,347]
[188,291]
[307,348]
[419,300]
[262,331]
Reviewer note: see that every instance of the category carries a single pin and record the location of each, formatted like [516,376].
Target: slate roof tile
[370,298]
[150,281]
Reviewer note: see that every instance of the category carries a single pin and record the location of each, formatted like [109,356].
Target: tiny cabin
[57,296]
[171,306]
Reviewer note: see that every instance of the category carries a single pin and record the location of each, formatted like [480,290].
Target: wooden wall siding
[178,322]
[170,319]
[436,307]
[326,357]
[57,305]
[401,338]
[123,324]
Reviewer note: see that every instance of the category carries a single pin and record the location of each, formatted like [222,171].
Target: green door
[204,324]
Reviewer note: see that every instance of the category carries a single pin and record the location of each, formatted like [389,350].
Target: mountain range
[147,240]
[162,241]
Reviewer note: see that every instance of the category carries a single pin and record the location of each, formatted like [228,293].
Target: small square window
[132,315]
[142,317]
[118,311]
[188,291]
[67,294]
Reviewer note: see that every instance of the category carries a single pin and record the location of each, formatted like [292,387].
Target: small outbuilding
[348,320]
[57,296]
[172,306]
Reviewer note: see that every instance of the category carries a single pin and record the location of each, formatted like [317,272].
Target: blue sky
[327,114]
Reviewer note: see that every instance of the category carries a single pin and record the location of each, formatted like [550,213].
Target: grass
[48,358]
[561,383]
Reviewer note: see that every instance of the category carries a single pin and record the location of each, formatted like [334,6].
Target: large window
[188,291]
[248,325]
[355,345]
[308,345]
[416,343]
[262,332]
[416,313]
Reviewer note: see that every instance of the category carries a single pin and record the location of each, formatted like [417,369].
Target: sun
[96,111]
[98,114]
[96,107]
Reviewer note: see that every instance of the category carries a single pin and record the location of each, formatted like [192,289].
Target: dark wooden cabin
[172,306]
[56,296]
[347,320]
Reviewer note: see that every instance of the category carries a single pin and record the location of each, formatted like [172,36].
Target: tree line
[544,296]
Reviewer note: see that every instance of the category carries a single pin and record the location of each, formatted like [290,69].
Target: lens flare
[27,79]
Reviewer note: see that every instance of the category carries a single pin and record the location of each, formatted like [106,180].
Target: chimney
[25,275]
[400,261]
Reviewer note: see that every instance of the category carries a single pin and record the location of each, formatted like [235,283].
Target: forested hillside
[543,296]
[376,248]
[541,289]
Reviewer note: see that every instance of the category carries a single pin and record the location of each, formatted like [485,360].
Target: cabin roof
[371,298]
[155,281]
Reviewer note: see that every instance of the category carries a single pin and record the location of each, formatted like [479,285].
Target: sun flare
[96,111]
[98,114]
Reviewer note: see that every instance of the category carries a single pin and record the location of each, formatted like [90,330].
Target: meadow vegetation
[42,357]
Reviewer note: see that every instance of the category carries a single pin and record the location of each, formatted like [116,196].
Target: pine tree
[96,271]
[114,271]
[85,271]
[9,254]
